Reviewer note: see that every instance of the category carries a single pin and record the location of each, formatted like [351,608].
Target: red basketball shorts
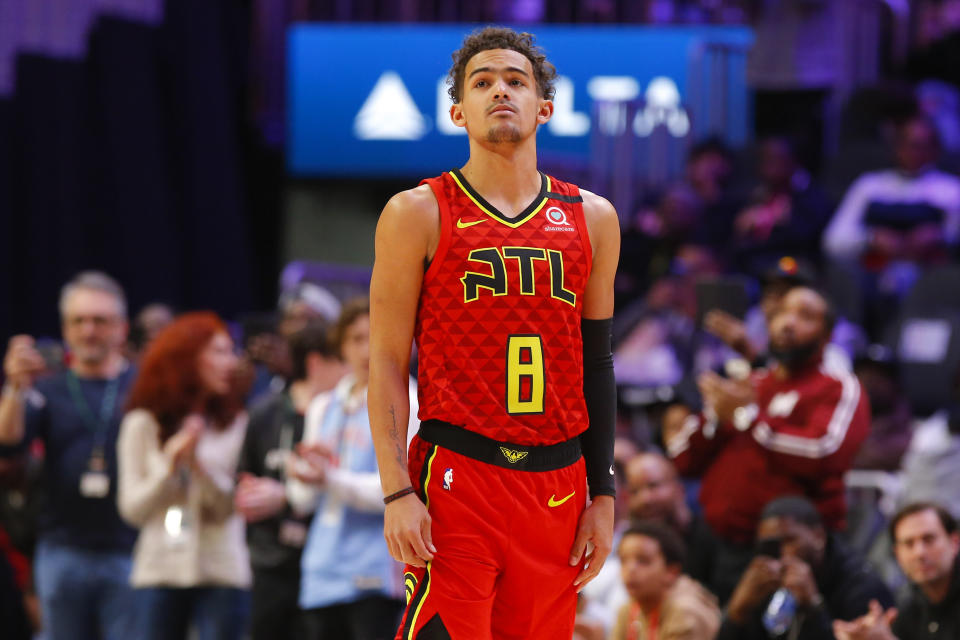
[503,538]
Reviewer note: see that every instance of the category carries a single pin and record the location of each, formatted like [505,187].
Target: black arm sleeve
[600,393]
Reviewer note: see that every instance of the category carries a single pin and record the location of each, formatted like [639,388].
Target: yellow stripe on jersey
[512,225]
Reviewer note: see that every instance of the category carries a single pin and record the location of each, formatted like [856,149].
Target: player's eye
[516,83]
[481,83]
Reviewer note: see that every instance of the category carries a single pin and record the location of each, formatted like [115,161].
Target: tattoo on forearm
[395,436]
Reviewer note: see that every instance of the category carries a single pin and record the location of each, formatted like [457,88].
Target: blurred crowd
[787,451]
[788,442]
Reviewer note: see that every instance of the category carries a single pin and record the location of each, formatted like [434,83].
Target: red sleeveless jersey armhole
[437,186]
[568,189]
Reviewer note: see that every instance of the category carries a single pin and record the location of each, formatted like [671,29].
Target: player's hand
[406,526]
[596,527]
[257,499]
[22,362]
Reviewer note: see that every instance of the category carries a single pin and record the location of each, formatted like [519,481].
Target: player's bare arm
[407,236]
[596,523]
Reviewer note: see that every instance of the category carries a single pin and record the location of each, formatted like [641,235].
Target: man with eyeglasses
[82,561]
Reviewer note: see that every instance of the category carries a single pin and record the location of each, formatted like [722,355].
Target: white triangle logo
[389,112]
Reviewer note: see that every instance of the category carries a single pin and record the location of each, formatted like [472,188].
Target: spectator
[750,337]
[178,451]
[926,543]
[275,534]
[268,345]
[664,603]
[792,429]
[891,223]
[827,581]
[656,493]
[350,586]
[151,320]
[909,212]
[786,215]
[709,171]
[82,561]
[931,464]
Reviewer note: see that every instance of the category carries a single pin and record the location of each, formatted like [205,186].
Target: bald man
[655,492]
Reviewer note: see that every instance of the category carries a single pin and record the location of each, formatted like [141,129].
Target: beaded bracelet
[399,494]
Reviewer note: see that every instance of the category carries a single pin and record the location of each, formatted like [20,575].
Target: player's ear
[545,112]
[456,115]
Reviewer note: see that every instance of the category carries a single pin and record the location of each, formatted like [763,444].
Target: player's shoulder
[416,207]
[596,207]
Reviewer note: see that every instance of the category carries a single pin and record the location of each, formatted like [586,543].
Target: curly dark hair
[501,38]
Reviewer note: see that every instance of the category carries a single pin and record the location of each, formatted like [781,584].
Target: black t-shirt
[70,432]
[273,430]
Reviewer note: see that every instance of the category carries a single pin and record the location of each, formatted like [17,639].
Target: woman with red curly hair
[177,455]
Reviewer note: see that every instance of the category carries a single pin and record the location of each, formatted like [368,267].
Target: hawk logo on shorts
[409,585]
[447,478]
[513,456]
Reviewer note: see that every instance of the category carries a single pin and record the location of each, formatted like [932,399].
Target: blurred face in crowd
[924,549]
[777,164]
[500,101]
[94,326]
[653,488]
[707,174]
[297,316]
[217,364]
[355,348]
[153,319]
[645,572]
[798,329]
[797,540]
[772,296]
[916,146]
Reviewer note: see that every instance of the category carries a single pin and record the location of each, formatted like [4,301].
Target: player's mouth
[502,107]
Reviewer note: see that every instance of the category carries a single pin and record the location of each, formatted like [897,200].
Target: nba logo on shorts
[557,220]
[447,478]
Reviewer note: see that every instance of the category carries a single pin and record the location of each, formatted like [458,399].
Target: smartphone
[727,294]
[769,547]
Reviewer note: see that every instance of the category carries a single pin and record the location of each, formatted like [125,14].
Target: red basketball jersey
[498,324]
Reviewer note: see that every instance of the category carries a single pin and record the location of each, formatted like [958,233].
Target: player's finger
[589,572]
[426,531]
[410,555]
[579,545]
[415,539]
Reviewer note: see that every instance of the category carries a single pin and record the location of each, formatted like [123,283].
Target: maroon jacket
[799,439]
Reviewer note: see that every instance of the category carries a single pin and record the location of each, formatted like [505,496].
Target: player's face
[500,102]
[925,551]
[643,568]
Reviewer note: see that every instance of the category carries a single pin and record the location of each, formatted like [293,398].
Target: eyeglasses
[97,321]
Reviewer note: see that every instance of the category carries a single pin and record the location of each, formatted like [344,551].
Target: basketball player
[505,277]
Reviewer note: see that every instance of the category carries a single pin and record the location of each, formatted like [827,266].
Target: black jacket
[921,619]
[847,586]
[273,429]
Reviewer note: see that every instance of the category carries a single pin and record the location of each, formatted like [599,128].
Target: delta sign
[372,100]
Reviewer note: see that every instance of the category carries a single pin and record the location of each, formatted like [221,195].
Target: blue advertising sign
[372,100]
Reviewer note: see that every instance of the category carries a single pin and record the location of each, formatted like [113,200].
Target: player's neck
[507,177]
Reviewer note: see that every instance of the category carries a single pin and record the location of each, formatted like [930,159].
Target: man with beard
[656,493]
[82,562]
[792,429]
[825,578]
